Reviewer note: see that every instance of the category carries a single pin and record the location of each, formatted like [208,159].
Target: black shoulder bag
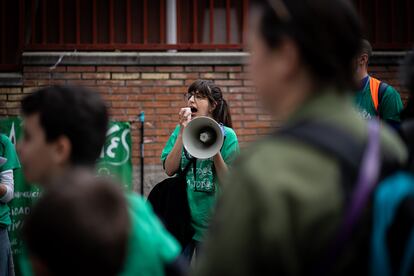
[170,202]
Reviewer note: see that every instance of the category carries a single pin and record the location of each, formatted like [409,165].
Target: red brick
[168,82]
[115,97]
[156,104]
[214,76]
[227,68]
[124,104]
[110,69]
[244,117]
[139,82]
[111,82]
[141,97]
[179,89]
[125,76]
[10,90]
[154,90]
[241,89]
[198,68]
[50,82]
[169,97]
[81,68]
[166,111]
[66,76]
[82,82]
[125,89]
[138,69]
[29,82]
[169,68]
[184,75]
[249,110]
[241,76]
[14,97]
[229,82]
[96,76]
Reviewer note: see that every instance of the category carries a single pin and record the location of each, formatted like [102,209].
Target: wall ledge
[11,80]
[134,58]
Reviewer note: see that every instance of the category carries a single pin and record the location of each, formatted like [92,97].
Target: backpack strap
[381,91]
[332,141]
[356,160]
[374,85]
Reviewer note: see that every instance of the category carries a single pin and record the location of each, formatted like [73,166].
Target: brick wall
[158,91]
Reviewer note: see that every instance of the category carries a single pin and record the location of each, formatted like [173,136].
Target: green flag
[115,160]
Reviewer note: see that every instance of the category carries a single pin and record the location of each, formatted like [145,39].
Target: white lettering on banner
[20,211]
[26,194]
[113,146]
[115,142]
[15,226]
[12,135]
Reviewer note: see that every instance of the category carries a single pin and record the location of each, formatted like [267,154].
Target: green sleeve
[244,239]
[8,151]
[391,105]
[170,144]
[230,148]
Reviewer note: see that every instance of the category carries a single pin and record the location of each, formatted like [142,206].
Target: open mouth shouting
[193,111]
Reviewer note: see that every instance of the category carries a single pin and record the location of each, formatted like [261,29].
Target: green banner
[115,160]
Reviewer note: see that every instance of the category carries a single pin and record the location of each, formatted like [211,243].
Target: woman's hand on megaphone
[185,117]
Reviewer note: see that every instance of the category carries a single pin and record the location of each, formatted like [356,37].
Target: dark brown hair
[79,226]
[213,93]
[327,34]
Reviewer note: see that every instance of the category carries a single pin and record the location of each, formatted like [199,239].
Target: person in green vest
[204,98]
[374,97]
[283,202]
[65,130]
[9,162]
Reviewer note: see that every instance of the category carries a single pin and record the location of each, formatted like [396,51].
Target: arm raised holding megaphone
[172,163]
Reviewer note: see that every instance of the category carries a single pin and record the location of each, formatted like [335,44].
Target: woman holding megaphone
[204,99]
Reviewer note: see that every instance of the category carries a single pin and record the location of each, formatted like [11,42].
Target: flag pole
[142,120]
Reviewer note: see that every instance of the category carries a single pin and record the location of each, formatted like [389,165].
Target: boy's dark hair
[214,95]
[79,226]
[327,33]
[75,112]
[366,48]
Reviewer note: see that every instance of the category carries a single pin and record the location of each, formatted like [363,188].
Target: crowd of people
[331,192]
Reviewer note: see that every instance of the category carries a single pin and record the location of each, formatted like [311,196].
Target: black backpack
[347,254]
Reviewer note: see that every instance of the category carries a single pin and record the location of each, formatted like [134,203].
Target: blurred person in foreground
[64,131]
[284,201]
[79,226]
[393,232]
[375,98]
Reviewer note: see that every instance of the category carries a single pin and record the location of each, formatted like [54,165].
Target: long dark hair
[213,93]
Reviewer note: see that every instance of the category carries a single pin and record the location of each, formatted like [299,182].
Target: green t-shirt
[202,191]
[8,151]
[150,246]
[390,106]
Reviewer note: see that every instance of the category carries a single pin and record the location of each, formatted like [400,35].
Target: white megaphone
[203,137]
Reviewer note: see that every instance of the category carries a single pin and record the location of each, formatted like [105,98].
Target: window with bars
[142,25]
